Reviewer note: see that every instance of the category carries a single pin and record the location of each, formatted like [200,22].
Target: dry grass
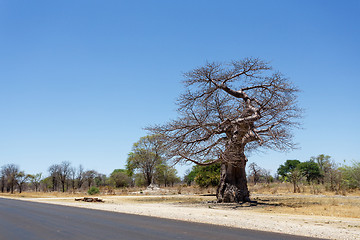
[287,188]
[334,206]
[41,195]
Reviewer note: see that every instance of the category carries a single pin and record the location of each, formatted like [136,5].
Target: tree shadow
[247,205]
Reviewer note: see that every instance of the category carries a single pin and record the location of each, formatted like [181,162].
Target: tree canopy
[146,154]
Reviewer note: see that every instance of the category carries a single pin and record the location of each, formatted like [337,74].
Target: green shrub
[93,190]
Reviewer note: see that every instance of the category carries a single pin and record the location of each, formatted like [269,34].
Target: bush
[93,190]
[208,176]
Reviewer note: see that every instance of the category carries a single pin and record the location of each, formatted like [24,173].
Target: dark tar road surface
[22,220]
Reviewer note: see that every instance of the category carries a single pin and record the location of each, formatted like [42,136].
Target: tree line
[146,164]
[321,169]
[61,177]
[64,177]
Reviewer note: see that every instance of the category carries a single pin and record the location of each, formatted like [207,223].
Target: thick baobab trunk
[233,183]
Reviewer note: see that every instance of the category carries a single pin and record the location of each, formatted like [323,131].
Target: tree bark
[233,183]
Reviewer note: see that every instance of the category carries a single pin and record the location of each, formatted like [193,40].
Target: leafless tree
[72,174]
[10,171]
[2,181]
[80,177]
[89,177]
[255,172]
[54,175]
[227,111]
[64,171]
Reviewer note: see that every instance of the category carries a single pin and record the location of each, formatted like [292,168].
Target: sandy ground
[312,226]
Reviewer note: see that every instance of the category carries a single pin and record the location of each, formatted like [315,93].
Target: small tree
[146,154]
[89,177]
[351,175]
[80,177]
[54,175]
[64,171]
[208,176]
[190,175]
[36,180]
[310,170]
[255,172]
[21,178]
[139,180]
[324,163]
[10,171]
[204,176]
[290,171]
[295,177]
[2,181]
[166,175]
[119,178]
[100,180]
[93,190]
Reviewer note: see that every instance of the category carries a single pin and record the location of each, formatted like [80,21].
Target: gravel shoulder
[312,226]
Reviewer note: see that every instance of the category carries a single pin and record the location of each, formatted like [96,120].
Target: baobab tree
[227,111]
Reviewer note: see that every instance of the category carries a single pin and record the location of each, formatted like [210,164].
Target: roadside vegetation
[319,175]
[318,186]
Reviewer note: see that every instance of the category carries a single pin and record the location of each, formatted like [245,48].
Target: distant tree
[324,162]
[89,177]
[36,180]
[10,171]
[64,170]
[258,174]
[333,177]
[2,181]
[166,175]
[190,175]
[119,178]
[146,154]
[267,176]
[80,176]
[355,173]
[295,177]
[351,175]
[21,179]
[46,184]
[228,110]
[172,176]
[255,172]
[286,168]
[100,180]
[310,170]
[72,178]
[139,180]
[290,171]
[54,175]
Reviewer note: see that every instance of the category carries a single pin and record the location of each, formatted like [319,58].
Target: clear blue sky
[79,80]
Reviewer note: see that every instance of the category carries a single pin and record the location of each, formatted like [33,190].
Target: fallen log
[89,199]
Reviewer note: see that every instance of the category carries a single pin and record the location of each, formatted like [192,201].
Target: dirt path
[313,226]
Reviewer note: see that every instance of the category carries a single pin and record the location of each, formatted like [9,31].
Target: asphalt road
[22,220]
